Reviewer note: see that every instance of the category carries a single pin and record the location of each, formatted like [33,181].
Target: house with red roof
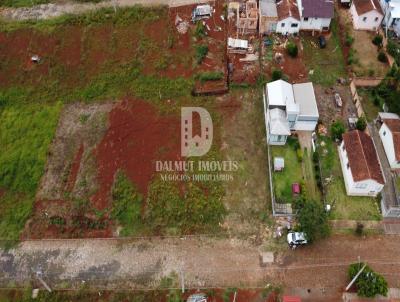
[362,171]
[366,14]
[389,133]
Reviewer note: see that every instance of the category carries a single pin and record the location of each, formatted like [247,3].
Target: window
[361,186]
[344,148]
[325,28]
[283,25]
[365,19]
[348,166]
[294,25]
[376,19]
[306,19]
[384,133]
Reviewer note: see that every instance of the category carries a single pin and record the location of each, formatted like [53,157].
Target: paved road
[204,261]
[46,11]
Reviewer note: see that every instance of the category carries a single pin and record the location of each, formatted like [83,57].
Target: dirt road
[46,11]
[205,262]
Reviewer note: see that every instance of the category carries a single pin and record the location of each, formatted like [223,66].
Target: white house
[391,11]
[361,168]
[390,137]
[366,14]
[289,108]
[315,15]
[288,17]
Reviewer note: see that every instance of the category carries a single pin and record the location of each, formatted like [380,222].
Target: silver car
[296,238]
[200,297]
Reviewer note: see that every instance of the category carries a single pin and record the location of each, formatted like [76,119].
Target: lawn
[370,109]
[344,207]
[327,64]
[25,134]
[295,171]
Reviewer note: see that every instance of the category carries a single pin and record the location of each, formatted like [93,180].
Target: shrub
[382,57]
[361,123]
[349,40]
[200,30]
[277,74]
[299,153]
[210,76]
[337,130]
[369,283]
[377,40]
[201,53]
[359,229]
[292,49]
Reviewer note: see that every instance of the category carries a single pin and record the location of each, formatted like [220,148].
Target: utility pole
[39,275]
[182,281]
[355,277]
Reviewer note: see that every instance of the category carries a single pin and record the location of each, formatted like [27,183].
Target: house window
[348,166]
[344,148]
[376,19]
[294,25]
[365,19]
[384,133]
[325,28]
[361,186]
[283,25]
[306,19]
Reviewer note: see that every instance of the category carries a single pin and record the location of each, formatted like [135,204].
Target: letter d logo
[196,131]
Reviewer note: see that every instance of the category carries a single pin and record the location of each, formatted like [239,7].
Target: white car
[296,238]
[200,297]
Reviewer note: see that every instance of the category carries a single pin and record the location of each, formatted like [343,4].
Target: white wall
[305,125]
[368,187]
[315,23]
[388,145]
[369,23]
[287,26]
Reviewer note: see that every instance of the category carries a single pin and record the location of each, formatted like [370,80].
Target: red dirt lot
[137,136]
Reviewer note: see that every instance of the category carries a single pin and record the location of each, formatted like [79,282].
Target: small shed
[238,46]
[279,163]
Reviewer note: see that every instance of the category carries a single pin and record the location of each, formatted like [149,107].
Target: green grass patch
[201,53]
[344,206]
[369,104]
[328,64]
[210,76]
[294,172]
[127,206]
[22,3]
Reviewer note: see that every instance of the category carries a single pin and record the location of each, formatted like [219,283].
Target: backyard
[370,108]
[295,171]
[326,65]
[343,206]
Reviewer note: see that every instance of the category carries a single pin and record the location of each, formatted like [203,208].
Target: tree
[292,49]
[277,74]
[377,40]
[312,219]
[361,123]
[337,130]
[369,283]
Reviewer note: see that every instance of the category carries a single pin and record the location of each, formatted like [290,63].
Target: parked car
[322,42]
[199,297]
[296,238]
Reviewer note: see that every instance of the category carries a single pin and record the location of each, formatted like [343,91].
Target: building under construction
[247,17]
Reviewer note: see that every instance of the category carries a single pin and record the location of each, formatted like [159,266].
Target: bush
[200,30]
[292,49]
[210,76]
[382,57]
[377,40]
[359,229]
[337,130]
[361,123]
[349,40]
[369,283]
[201,53]
[299,153]
[277,75]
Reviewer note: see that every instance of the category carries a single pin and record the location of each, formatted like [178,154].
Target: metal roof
[305,97]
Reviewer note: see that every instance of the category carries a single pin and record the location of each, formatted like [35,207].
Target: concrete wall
[315,23]
[370,23]
[285,26]
[387,141]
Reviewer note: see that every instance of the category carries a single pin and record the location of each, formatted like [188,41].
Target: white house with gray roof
[315,15]
[289,108]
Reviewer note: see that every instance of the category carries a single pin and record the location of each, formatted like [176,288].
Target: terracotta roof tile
[365,6]
[394,126]
[363,160]
[286,9]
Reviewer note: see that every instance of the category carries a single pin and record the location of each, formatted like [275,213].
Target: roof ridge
[363,153]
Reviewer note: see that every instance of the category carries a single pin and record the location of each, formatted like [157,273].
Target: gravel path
[204,261]
[51,10]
